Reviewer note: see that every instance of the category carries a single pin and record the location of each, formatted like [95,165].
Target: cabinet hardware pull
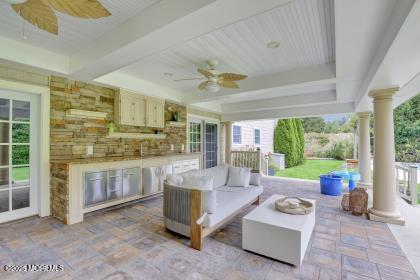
[97,179]
[130,174]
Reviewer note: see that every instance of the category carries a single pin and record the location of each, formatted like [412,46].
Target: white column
[364,151]
[384,186]
[228,140]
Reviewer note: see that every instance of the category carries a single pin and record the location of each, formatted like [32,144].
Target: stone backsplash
[70,136]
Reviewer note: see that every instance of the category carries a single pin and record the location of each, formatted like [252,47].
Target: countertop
[121,158]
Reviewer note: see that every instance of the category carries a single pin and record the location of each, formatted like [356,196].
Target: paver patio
[132,243]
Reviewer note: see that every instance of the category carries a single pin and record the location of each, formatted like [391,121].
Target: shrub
[339,150]
[322,139]
[289,140]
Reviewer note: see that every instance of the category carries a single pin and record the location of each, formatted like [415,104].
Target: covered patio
[131,242]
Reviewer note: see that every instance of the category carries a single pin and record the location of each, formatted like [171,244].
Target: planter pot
[331,184]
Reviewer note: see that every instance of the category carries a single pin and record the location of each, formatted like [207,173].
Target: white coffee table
[277,235]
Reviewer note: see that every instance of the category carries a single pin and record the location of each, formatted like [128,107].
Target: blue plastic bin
[331,184]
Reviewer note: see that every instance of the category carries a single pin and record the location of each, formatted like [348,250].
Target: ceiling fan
[41,13]
[215,79]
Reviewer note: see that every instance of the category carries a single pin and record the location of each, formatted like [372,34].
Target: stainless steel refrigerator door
[114,189]
[95,187]
[131,181]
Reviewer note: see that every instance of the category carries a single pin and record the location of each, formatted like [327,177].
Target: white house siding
[267,130]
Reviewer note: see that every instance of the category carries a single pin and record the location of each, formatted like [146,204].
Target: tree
[315,124]
[407,130]
[301,140]
[288,139]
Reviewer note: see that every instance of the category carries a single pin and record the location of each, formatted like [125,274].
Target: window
[257,136]
[194,134]
[237,134]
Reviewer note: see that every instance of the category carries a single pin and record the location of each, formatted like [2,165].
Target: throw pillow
[238,177]
[174,180]
[255,179]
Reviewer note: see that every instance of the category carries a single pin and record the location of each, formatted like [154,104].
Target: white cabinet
[138,110]
[185,165]
[130,108]
[155,113]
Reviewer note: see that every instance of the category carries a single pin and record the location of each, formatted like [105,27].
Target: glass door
[18,139]
[211,147]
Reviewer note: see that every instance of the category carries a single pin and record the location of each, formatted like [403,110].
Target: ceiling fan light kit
[215,79]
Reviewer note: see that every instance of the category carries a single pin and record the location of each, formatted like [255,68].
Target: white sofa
[195,211]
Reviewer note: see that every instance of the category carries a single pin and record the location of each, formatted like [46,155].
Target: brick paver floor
[132,243]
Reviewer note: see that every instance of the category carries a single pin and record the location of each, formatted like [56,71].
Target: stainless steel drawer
[95,188]
[114,189]
[131,181]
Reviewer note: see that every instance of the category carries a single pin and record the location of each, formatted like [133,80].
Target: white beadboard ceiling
[74,33]
[304,28]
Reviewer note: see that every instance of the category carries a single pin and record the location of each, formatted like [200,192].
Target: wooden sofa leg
[196,210]
[257,201]
[197,239]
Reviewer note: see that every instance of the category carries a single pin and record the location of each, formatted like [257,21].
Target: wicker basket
[294,205]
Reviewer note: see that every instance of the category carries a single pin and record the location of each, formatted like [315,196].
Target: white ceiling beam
[282,82]
[281,102]
[398,17]
[38,58]
[298,112]
[159,27]
[122,80]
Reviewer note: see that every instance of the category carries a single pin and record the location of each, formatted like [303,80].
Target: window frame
[240,135]
[259,136]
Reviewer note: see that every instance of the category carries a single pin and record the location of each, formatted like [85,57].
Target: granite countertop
[120,158]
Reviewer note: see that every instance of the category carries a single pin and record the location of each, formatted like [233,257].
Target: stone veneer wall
[69,136]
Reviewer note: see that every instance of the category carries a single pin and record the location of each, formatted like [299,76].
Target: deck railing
[407,183]
[250,159]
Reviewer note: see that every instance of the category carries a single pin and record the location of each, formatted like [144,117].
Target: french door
[19,155]
[203,137]
[211,147]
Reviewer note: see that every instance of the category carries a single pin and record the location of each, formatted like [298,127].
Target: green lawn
[311,169]
[20,173]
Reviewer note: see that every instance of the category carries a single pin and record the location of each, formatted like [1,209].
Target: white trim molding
[44,161]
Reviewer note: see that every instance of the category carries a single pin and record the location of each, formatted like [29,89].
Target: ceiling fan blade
[202,85]
[39,14]
[80,8]
[206,73]
[232,76]
[228,84]
[189,79]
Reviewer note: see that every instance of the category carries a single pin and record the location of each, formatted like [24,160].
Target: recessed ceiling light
[168,74]
[273,45]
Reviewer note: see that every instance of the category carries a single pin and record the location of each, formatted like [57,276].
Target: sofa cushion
[238,177]
[230,200]
[219,173]
[205,184]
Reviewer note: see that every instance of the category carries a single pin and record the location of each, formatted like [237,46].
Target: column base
[380,216]
[364,185]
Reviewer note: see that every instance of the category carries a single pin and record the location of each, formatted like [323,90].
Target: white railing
[250,159]
[407,183]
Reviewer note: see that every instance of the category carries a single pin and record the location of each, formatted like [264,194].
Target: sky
[332,118]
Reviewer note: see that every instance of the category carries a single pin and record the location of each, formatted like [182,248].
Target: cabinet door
[127,109]
[155,113]
[160,114]
[139,111]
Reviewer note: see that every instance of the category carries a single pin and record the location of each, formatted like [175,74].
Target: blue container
[331,184]
[353,178]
